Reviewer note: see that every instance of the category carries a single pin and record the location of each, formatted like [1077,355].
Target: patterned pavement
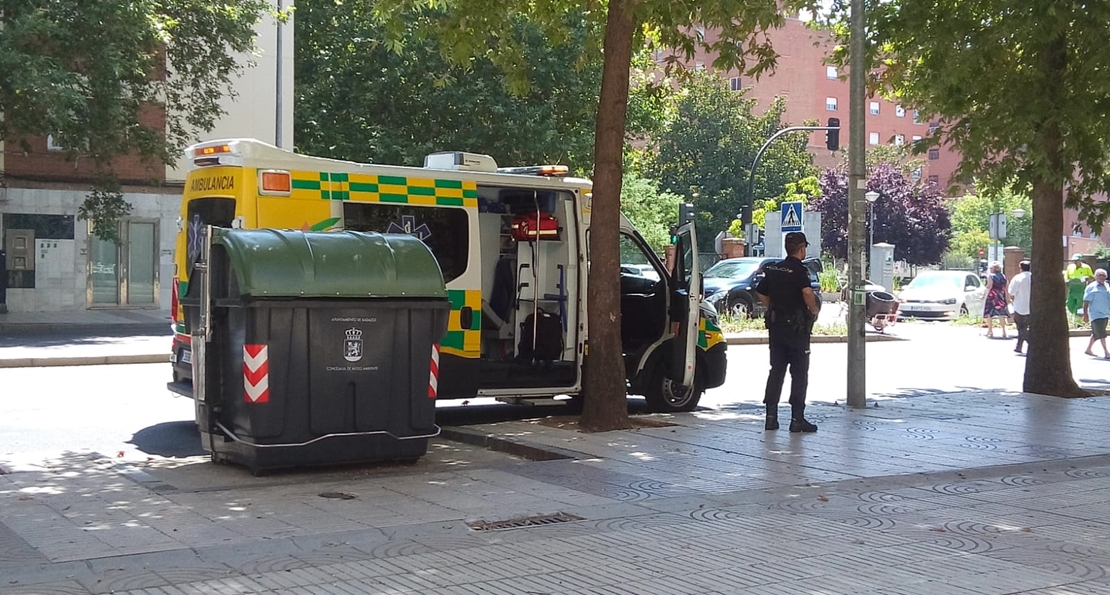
[979,492]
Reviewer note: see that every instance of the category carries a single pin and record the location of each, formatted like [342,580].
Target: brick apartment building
[815,90]
[54,264]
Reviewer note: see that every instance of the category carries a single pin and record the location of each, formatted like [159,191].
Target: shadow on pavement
[19,338]
[175,439]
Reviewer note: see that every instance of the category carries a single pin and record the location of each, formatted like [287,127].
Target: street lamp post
[857,185]
[871,198]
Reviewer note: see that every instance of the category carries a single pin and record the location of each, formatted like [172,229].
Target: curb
[98,360]
[735,339]
[153,329]
[493,442]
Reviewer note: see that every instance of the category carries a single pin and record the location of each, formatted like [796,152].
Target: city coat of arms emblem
[352,345]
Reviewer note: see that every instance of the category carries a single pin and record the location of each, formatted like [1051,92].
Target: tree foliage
[358,99]
[85,72]
[466,28]
[1019,89]
[803,191]
[651,211]
[706,149]
[971,220]
[910,215]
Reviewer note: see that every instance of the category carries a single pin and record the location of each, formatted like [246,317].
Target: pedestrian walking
[1096,310]
[1078,275]
[1019,289]
[791,311]
[995,305]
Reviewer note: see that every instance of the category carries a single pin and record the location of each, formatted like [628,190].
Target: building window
[934,154]
[735,84]
[830,104]
[916,138]
[933,127]
[830,73]
[916,116]
[934,179]
[701,33]
[873,138]
[1076,230]
[900,111]
[699,66]
[874,108]
[917,173]
[899,140]
[659,55]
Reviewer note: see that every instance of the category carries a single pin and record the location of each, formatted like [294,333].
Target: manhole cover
[338,495]
[528,521]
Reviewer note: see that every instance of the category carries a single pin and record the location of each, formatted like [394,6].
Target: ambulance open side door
[686,298]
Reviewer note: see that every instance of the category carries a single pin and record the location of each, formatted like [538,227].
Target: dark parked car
[730,284]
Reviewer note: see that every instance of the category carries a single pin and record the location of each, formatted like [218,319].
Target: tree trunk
[605,405]
[1048,367]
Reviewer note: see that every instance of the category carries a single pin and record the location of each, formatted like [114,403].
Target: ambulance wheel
[664,395]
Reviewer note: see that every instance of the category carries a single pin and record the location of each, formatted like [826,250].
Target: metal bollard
[3,282]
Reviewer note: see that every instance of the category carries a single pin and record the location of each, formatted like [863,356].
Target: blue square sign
[791,216]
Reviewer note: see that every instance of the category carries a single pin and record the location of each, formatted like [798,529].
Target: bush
[954,261]
[828,279]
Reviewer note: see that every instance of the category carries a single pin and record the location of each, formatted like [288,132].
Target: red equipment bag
[535,226]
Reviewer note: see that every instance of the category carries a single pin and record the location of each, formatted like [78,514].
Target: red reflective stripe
[256,374]
[433,376]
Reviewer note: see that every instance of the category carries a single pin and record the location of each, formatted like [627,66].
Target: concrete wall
[252,113]
[62,265]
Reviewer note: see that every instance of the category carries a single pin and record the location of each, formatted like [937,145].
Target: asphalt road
[125,410]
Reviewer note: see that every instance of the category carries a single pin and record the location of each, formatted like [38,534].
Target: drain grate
[528,521]
[338,495]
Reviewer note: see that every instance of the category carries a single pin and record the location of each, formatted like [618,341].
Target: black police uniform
[789,324]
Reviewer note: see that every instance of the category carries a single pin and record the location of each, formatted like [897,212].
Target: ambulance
[513,248]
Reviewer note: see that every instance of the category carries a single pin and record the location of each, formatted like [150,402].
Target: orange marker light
[276,181]
[554,170]
[212,150]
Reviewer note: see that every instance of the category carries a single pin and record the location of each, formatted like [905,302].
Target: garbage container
[321,347]
[880,303]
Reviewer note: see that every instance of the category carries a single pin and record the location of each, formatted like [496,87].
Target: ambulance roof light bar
[552,171]
[219,153]
[460,161]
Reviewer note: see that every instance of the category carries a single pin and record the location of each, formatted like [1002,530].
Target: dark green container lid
[346,264]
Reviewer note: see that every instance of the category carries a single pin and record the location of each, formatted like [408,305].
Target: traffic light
[832,136]
[685,213]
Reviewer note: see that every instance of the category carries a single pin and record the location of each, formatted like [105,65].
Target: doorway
[127,274]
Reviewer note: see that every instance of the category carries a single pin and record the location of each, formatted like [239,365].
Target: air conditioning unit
[460,161]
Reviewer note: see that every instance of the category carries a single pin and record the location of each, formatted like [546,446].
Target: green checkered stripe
[708,330]
[464,342]
[386,189]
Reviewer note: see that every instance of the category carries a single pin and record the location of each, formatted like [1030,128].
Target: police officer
[791,311]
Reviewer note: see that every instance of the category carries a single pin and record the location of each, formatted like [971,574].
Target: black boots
[796,425]
[801,425]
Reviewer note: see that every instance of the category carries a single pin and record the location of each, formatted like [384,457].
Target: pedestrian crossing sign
[791,216]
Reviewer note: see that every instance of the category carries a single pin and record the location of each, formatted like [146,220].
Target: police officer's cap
[795,240]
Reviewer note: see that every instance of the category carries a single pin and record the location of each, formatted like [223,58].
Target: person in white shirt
[1019,303]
